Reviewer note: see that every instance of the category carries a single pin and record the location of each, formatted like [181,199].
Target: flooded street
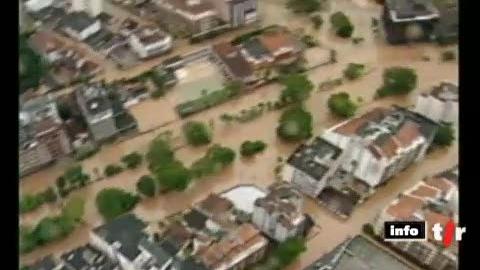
[156,116]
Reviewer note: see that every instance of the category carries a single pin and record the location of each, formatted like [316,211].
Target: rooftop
[255,48]
[150,35]
[239,243]
[94,98]
[405,207]
[233,59]
[195,220]
[215,205]
[161,252]
[358,253]
[77,21]
[127,231]
[243,197]
[44,42]
[314,158]
[87,257]
[277,40]
[193,7]
[445,91]
[412,9]
[46,263]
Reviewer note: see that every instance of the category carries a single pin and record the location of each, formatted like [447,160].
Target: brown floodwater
[156,116]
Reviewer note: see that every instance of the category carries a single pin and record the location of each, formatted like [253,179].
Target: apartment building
[233,64]
[149,42]
[236,12]
[42,135]
[279,215]
[435,200]
[105,116]
[440,104]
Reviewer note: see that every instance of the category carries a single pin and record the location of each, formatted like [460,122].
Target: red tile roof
[405,207]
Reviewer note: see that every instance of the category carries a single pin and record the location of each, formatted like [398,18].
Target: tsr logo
[416,231]
[448,233]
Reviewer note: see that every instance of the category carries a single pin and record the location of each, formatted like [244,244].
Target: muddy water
[259,170]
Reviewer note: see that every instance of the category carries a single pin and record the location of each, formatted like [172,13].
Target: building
[233,64]
[237,250]
[435,200]
[409,20]
[42,135]
[92,7]
[279,215]
[125,240]
[149,41]
[88,257]
[358,253]
[104,114]
[80,25]
[188,16]
[349,161]
[37,5]
[440,104]
[236,12]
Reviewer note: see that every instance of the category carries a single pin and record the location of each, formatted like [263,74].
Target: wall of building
[33,158]
[92,29]
[437,110]
[103,129]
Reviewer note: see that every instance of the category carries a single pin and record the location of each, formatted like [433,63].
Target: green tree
[341,105]
[445,135]
[295,124]
[146,186]
[354,71]
[75,176]
[297,88]
[132,160]
[317,21]
[74,209]
[48,230]
[49,195]
[289,250]
[250,148]
[33,68]
[28,240]
[159,153]
[341,24]
[30,202]
[112,202]
[216,158]
[112,170]
[197,133]
[173,176]
[398,81]
[304,6]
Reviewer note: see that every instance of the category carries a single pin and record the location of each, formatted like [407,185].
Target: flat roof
[243,196]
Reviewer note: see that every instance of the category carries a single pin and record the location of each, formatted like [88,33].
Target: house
[149,41]
[279,215]
[188,16]
[237,250]
[409,20]
[233,64]
[42,135]
[282,46]
[446,30]
[440,104]
[80,25]
[434,200]
[104,114]
[88,257]
[132,93]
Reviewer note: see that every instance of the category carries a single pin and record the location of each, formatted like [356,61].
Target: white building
[80,25]
[279,214]
[440,104]
[37,5]
[149,41]
[358,155]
